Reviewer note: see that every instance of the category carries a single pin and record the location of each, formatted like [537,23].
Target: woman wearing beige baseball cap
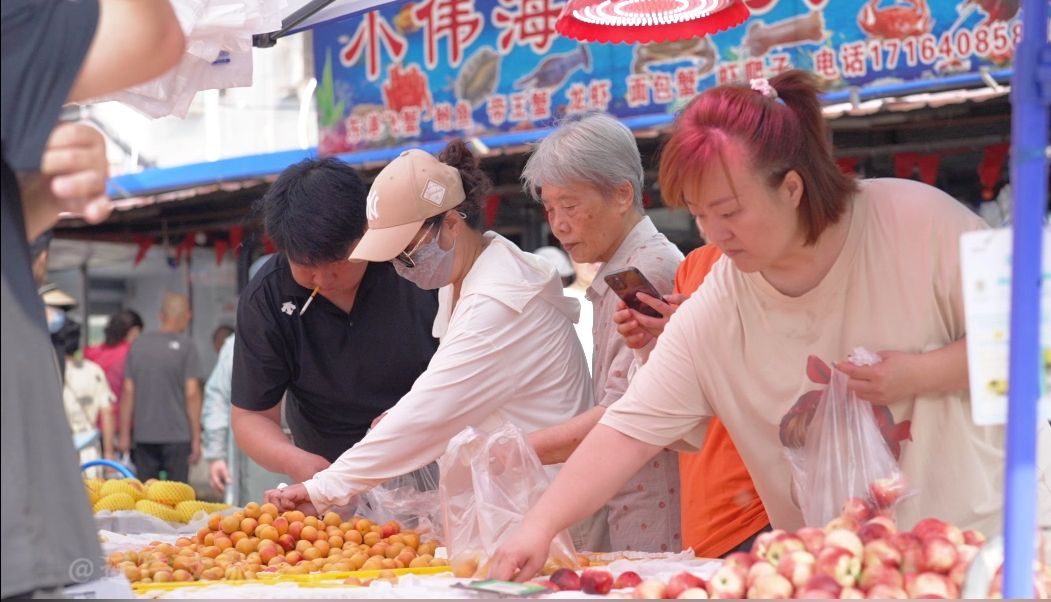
[508,348]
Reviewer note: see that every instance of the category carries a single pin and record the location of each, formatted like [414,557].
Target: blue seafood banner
[433,69]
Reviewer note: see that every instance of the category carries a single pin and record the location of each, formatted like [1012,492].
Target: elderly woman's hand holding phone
[641,313]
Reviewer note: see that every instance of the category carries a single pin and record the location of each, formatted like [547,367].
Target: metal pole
[1029,125]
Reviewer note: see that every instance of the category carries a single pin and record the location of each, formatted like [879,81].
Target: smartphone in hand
[629,281]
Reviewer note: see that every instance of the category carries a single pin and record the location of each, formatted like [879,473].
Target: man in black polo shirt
[341,361]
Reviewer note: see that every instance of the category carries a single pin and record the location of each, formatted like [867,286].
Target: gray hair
[595,149]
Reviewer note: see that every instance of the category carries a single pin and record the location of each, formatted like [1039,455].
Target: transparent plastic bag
[489,480]
[844,456]
[411,500]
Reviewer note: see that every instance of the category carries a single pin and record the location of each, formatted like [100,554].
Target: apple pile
[859,554]
[259,539]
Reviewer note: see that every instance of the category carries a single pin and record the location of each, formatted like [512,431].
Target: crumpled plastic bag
[489,480]
[845,455]
[133,522]
[218,54]
[411,500]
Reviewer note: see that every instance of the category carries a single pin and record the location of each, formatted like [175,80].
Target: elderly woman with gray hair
[588,176]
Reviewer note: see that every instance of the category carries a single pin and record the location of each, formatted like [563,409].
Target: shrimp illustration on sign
[699,51]
[554,70]
[478,77]
[901,20]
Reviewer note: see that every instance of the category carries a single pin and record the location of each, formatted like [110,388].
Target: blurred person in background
[55,52]
[87,399]
[220,334]
[160,421]
[111,354]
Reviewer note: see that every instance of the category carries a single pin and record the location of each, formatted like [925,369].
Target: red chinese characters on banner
[852,59]
[662,88]
[526,22]
[455,20]
[443,117]
[638,85]
[410,122]
[519,107]
[686,82]
[496,109]
[599,95]
[825,64]
[463,119]
[577,95]
[728,73]
[540,104]
[373,34]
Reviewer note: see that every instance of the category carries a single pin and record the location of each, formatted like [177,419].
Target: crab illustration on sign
[900,20]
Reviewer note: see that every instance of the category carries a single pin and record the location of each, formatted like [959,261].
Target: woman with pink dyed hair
[815,264]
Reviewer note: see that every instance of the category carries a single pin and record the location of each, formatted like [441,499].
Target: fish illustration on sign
[478,76]
[699,51]
[554,70]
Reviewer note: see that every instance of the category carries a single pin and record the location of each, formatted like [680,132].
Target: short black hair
[315,210]
[119,324]
[67,339]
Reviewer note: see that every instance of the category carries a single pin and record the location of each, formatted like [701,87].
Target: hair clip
[762,86]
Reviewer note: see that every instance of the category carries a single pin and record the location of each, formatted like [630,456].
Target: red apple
[881,551]
[930,584]
[887,592]
[911,549]
[821,586]
[728,582]
[932,527]
[939,555]
[770,587]
[858,509]
[797,566]
[842,522]
[813,538]
[627,579]
[595,581]
[566,579]
[682,582]
[744,560]
[848,540]
[651,589]
[760,569]
[694,593]
[851,593]
[880,574]
[839,564]
[547,584]
[973,538]
[887,491]
[781,546]
[763,540]
[876,529]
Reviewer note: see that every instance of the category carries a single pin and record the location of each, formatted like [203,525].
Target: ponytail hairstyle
[476,185]
[780,125]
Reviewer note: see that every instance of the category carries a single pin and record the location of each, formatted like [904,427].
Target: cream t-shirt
[740,350]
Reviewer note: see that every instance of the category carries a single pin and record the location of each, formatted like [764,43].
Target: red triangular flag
[144,242]
[929,168]
[237,234]
[221,246]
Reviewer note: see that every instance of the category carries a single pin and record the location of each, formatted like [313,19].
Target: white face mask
[434,265]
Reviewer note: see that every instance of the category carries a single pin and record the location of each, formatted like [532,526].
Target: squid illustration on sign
[900,20]
[793,31]
[699,51]
[554,70]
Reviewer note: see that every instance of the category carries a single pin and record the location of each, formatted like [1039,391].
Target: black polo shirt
[340,370]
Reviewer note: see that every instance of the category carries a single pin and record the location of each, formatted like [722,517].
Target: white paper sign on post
[986,266]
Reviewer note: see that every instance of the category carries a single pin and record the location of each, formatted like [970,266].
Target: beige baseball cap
[410,189]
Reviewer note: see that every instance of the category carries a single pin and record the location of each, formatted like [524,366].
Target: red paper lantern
[646,21]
